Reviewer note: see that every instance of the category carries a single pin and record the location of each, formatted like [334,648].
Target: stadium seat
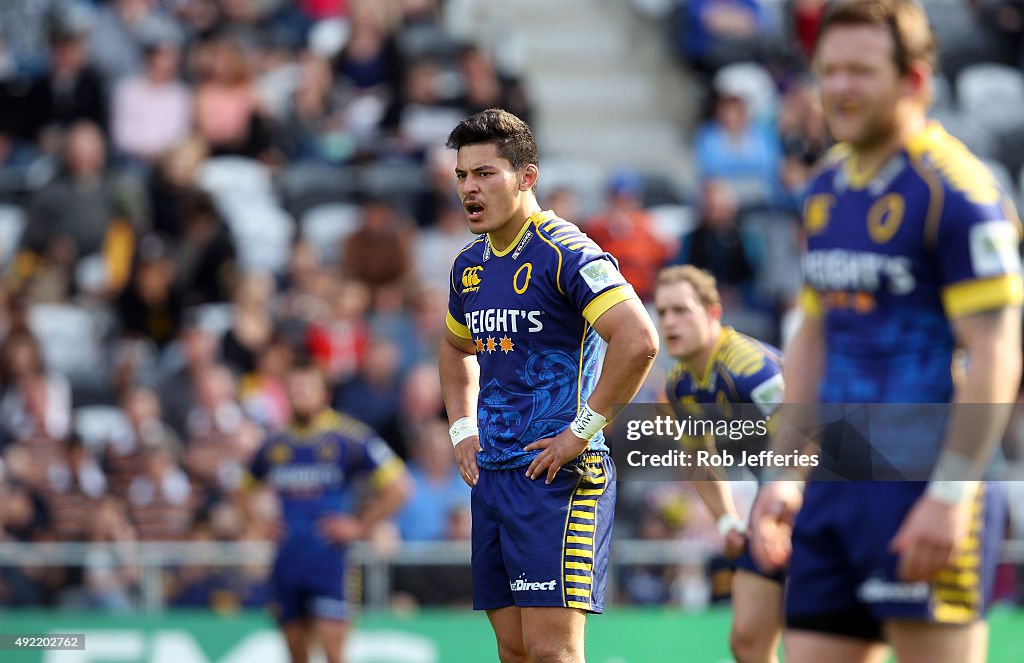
[264,234]
[992,94]
[12,224]
[235,177]
[96,424]
[305,185]
[976,137]
[325,227]
[584,179]
[69,340]
[1004,178]
[673,221]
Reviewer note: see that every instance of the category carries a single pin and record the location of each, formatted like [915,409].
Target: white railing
[153,558]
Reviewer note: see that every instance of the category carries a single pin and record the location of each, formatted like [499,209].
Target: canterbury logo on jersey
[838,269]
[471,278]
[503,320]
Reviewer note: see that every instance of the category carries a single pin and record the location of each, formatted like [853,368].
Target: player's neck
[700,363]
[871,158]
[503,237]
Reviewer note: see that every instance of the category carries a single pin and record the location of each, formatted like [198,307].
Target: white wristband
[461,429]
[952,492]
[727,522]
[587,423]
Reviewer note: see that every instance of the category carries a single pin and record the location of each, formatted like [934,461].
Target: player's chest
[866,241]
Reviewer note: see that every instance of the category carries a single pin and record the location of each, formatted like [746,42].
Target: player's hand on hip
[465,458]
[341,528]
[928,538]
[733,544]
[555,452]
[771,523]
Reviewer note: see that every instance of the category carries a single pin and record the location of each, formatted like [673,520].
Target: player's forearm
[632,348]
[386,501]
[716,497]
[985,397]
[803,368]
[460,381]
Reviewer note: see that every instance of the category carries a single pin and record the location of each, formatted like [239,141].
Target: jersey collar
[534,219]
[704,377]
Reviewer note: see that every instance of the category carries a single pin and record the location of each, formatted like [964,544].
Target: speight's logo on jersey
[471,278]
[503,320]
[838,269]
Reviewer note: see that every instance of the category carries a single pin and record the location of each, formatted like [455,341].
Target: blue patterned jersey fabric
[529,312]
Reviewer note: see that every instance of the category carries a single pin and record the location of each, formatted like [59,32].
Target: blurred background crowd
[193,191]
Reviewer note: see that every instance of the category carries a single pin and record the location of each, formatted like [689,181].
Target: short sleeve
[593,283]
[375,459]
[978,255]
[455,319]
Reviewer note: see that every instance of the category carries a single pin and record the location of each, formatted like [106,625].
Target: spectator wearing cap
[734,146]
[72,90]
[626,231]
[151,111]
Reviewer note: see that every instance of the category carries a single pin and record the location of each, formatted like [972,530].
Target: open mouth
[474,210]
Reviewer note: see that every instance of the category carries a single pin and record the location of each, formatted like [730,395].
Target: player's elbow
[643,342]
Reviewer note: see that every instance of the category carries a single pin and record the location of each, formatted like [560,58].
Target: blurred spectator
[85,210]
[439,244]
[123,30]
[315,126]
[71,90]
[227,112]
[734,146]
[160,498]
[626,231]
[486,88]
[75,485]
[372,395]
[717,244]
[111,573]
[379,252]
[151,307]
[370,59]
[151,112]
[197,348]
[565,202]
[33,401]
[125,452]
[262,390]
[438,489]
[805,19]
[171,183]
[714,33]
[207,256]
[338,340]
[438,197]
[252,323]
[421,116]
[801,128]
[218,441]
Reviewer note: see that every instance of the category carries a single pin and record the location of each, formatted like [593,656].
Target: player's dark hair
[511,136]
[702,282]
[912,36]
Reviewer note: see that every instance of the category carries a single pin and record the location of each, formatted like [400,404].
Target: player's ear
[919,80]
[715,312]
[529,177]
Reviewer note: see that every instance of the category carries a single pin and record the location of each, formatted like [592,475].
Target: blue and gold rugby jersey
[741,370]
[529,310]
[313,469]
[893,257]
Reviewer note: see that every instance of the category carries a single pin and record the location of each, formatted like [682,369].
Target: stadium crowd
[193,191]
